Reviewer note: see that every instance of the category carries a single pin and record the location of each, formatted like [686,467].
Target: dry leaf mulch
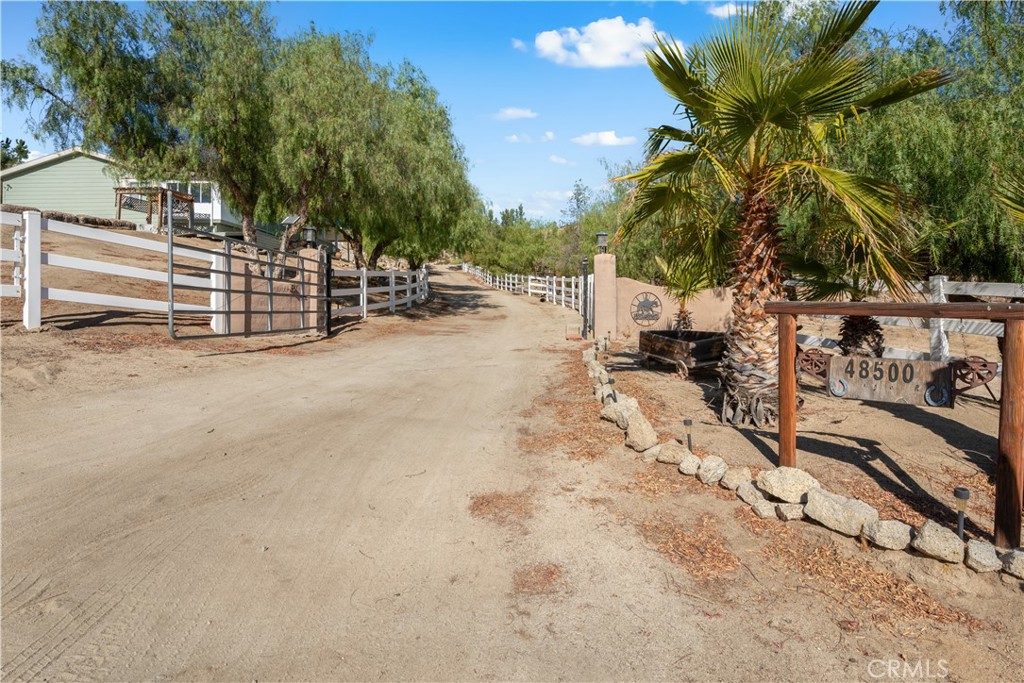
[885,598]
[540,579]
[700,549]
[569,400]
[506,509]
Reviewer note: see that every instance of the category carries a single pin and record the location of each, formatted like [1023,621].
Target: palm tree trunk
[750,366]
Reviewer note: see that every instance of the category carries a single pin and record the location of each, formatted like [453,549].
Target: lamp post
[583,298]
[688,426]
[602,242]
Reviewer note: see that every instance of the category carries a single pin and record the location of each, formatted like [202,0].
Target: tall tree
[417,188]
[12,153]
[326,121]
[948,148]
[760,107]
[171,90]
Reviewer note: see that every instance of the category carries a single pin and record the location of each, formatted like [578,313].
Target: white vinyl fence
[372,290]
[936,289]
[556,289]
[401,287]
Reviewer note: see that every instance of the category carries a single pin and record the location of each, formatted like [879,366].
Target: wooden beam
[1010,460]
[787,390]
[974,311]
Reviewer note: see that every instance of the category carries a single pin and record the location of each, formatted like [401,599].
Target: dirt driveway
[397,502]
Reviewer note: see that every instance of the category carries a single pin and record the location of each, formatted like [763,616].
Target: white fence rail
[936,289]
[403,288]
[28,280]
[564,291]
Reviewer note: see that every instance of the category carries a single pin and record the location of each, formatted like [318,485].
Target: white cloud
[555,159]
[548,136]
[516,139]
[34,154]
[600,44]
[518,45]
[723,11]
[552,195]
[604,138]
[513,113]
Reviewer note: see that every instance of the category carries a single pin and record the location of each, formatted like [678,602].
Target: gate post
[787,390]
[32,284]
[218,298]
[1010,459]
[363,294]
[605,296]
[939,341]
[391,291]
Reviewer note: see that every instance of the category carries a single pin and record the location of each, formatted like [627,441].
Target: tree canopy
[307,124]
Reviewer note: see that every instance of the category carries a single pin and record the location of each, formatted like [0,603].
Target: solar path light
[962,495]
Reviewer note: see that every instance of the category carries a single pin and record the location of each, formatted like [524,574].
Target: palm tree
[761,114]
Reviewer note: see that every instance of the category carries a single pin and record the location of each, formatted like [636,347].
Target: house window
[200,192]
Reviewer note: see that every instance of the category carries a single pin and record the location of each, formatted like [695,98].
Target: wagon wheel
[682,370]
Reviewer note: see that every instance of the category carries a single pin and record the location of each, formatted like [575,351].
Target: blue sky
[541,93]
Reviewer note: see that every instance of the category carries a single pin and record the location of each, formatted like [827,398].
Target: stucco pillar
[605,296]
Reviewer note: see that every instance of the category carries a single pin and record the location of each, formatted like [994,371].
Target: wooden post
[787,390]
[1010,460]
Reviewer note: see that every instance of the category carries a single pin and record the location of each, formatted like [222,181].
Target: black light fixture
[602,242]
[309,234]
[688,426]
[962,495]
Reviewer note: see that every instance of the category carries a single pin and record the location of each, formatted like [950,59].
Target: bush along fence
[938,289]
[788,494]
[576,293]
[230,289]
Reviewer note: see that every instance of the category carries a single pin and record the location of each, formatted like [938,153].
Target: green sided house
[81,182]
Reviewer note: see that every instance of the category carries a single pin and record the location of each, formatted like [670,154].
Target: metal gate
[249,290]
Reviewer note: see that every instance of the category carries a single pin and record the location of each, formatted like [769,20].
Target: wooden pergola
[1010,456]
[145,199]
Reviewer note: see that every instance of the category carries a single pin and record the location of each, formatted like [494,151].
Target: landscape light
[602,242]
[962,495]
[688,425]
[309,233]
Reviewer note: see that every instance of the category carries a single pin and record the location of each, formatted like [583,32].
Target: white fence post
[425,276]
[363,294]
[32,285]
[408,289]
[572,295]
[939,340]
[218,321]
[391,291]
[563,291]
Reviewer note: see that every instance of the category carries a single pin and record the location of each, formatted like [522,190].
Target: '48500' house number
[891,380]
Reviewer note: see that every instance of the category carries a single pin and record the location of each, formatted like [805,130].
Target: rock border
[789,494]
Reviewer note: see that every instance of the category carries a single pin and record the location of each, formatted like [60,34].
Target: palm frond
[669,65]
[1010,193]
[874,231]
[659,138]
[841,27]
[903,89]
